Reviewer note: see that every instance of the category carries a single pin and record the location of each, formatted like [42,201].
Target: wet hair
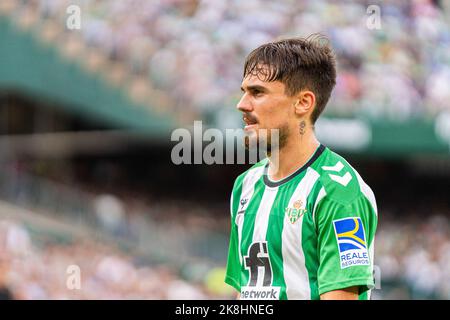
[300,64]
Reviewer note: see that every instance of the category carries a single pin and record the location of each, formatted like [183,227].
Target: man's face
[265,105]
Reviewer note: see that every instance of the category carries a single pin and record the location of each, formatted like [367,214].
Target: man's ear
[305,102]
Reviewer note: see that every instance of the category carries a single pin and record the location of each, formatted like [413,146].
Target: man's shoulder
[341,182]
[255,170]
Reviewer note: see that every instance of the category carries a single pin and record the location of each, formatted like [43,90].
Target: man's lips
[250,123]
[249,120]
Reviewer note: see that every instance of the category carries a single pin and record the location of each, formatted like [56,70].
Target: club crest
[295,212]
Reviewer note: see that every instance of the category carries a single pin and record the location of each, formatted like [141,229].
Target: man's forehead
[254,80]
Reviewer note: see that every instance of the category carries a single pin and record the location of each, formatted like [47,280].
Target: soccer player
[303,228]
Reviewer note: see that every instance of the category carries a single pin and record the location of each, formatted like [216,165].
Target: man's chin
[251,128]
[255,142]
[266,140]
[247,142]
[251,141]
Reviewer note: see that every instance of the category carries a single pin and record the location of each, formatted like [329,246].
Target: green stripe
[233,261]
[237,191]
[233,274]
[249,225]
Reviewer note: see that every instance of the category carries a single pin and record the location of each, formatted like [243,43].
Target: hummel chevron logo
[337,167]
[344,180]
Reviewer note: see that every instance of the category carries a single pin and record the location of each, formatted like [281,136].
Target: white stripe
[320,196]
[231,204]
[262,215]
[262,219]
[248,186]
[366,191]
[294,268]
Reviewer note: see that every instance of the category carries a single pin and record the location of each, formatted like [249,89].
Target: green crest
[294,214]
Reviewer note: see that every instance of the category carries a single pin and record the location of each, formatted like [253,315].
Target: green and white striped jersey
[307,234]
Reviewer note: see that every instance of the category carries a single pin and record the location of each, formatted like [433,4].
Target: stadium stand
[179,60]
[183,47]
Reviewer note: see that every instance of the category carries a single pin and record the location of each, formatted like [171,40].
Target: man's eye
[256,92]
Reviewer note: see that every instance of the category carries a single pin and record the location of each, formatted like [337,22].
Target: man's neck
[292,156]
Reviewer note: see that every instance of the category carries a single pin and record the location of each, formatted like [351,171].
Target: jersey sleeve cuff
[364,284]
[232,282]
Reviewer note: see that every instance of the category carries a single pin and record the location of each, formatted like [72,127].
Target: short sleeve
[345,232]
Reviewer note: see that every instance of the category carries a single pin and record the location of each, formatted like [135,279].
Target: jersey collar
[273,184]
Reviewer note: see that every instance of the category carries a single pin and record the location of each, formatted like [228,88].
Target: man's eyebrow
[254,87]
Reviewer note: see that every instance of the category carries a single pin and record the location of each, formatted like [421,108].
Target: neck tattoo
[302,127]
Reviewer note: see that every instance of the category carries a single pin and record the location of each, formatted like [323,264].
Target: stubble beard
[261,137]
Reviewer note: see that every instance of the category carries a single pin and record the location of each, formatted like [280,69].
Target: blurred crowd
[194,49]
[33,268]
[179,242]
[412,261]
[413,256]
[133,246]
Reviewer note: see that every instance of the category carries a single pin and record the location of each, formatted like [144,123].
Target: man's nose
[244,104]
